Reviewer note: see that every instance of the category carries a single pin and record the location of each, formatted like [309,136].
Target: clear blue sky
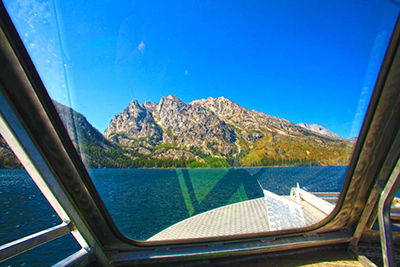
[312,61]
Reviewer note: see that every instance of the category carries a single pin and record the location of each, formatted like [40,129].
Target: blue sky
[312,61]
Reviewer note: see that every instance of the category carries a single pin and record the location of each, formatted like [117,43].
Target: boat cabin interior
[360,230]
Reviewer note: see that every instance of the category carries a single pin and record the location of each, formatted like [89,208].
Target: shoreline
[216,168]
[206,168]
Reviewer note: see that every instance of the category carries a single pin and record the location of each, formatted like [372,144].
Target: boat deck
[269,213]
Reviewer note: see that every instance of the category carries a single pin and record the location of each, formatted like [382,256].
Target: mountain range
[212,132]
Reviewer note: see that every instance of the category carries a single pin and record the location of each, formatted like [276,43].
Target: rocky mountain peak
[171,99]
[134,108]
[224,108]
[169,104]
[133,123]
[168,109]
[219,105]
[134,103]
[216,99]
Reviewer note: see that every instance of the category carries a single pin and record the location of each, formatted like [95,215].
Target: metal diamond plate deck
[270,213]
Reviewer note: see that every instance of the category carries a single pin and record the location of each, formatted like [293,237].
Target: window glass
[199,119]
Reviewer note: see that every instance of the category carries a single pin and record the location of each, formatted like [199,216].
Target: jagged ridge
[218,128]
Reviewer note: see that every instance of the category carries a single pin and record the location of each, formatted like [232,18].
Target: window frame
[40,120]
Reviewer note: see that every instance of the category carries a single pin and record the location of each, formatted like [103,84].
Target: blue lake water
[143,202]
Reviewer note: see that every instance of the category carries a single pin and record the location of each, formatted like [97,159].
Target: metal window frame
[17,138]
[385,225]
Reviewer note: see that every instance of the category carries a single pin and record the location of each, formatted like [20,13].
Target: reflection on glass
[210,119]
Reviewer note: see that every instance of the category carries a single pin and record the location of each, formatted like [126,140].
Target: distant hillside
[7,158]
[321,130]
[219,132]
[95,150]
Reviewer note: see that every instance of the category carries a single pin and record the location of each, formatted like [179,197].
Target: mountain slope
[321,130]
[8,160]
[95,150]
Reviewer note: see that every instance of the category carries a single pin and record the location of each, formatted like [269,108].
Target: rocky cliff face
[135,122]
[213,127]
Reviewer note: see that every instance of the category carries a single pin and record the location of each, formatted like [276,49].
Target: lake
[143,202]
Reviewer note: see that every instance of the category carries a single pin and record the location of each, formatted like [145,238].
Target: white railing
[24,244]
[312,199]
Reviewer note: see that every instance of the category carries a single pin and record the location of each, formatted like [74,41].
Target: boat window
[199,119]
[25,211]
